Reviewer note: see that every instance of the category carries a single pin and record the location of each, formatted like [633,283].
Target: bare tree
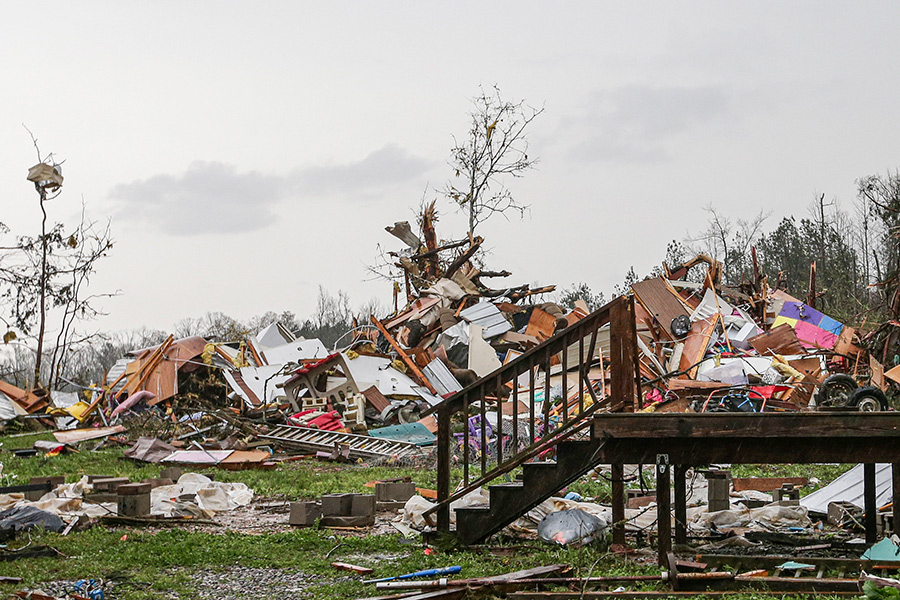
[496,148]
[51,272]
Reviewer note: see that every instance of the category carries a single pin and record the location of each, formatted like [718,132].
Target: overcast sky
[248,152]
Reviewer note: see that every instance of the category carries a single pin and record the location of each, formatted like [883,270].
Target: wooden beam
[822,426]
[410,363]
[748,451]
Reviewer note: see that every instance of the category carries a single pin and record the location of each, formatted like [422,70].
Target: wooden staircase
[569,433]
[540,480]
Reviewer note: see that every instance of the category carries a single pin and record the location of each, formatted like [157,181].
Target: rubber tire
[868,399]
[834,387]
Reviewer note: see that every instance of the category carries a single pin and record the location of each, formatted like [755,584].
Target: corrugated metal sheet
[492,321]
[849,488]
[441,378]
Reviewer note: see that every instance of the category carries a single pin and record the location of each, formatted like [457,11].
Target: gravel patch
[248,583]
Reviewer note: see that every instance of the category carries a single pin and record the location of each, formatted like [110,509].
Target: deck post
[663,509]
[680,504]
[617,472]
[870,503]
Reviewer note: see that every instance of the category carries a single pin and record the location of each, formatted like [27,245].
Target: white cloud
[212,197]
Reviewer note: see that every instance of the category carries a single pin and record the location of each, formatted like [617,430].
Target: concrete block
[718,493]
[362,505]
[37,494]
[366,521]
[110,484]
[304,513]
[133,489]
[158,482]
[394,491]
[53,481]
[786,492]
[337,505]
[172,473]
[93,478]
[133,505]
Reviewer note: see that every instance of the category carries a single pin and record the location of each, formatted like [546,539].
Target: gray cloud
[212,197]
[634,123]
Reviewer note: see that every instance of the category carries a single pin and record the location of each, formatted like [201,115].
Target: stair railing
[546,428]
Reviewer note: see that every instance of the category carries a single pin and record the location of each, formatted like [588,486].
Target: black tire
[836,390]
[868,399]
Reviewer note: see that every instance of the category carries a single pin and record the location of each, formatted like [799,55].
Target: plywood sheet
[661,301]
[71,436]
[696,344]
[780,340]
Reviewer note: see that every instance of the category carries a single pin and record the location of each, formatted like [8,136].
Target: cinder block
[37,494]
[157,482]
[134,505]
[93,478]
[172,473]
[786,492]
[718,494]
[133,489]
[337,505]
[110,484]
[304,513]
[362,505]
[395,491]
[54,481]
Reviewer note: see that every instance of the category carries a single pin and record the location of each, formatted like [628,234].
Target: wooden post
[443,469]
[617,472]
[680,504]
[623,353]
[869,502]
[663,509]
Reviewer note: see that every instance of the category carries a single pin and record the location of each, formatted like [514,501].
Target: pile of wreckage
[706,347]
[702,346]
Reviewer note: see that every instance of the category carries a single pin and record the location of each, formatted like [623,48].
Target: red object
[330,421]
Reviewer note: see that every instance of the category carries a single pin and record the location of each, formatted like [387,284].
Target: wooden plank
[72,436]
[696,343]
[750,425]
[623,354]
[403,355]
[766,484]
[779,340]
[662,302]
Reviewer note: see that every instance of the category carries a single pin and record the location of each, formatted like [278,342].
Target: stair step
[534,473]
[508,501]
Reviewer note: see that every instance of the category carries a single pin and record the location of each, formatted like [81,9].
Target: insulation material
[296,351]
[482,357]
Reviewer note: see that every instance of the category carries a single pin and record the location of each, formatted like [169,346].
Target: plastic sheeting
[22,518]
[572,528]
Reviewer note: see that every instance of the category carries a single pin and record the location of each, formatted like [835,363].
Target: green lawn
[165,563]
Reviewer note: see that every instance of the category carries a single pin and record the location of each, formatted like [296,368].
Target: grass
[154,563]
